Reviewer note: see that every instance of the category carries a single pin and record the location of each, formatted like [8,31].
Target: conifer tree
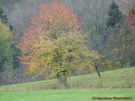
[3,17]
[114,16]
[114,21]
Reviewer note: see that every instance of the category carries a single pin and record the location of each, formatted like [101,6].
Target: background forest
[108,27]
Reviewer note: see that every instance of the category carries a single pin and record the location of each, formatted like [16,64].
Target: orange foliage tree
[54,44]
[131,24]
[131,19]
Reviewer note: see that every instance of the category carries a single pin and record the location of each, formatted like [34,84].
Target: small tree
[53,45]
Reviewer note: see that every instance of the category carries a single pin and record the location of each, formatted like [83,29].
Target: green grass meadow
[115,83]
[66,95]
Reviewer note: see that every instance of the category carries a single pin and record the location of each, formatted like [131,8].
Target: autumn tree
[5,46]
[130,18]
[54,44]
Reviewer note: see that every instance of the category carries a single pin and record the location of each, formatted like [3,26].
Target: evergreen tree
[114,16]
[3,17]
[114,21]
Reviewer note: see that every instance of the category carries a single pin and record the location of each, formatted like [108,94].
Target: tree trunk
[97,71]
[0,79]
[64,82]
[62,79]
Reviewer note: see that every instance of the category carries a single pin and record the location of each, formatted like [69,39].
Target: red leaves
[131,19]
[56,15]
[51,21]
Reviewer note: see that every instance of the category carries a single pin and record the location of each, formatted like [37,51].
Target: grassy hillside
[37,91]
[120,78]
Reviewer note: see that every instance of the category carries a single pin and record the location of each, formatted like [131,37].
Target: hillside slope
[120,78]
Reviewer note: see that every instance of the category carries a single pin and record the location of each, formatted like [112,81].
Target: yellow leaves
[54,43]
[112,64]
[41,55]
[5,32]
[51,56]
